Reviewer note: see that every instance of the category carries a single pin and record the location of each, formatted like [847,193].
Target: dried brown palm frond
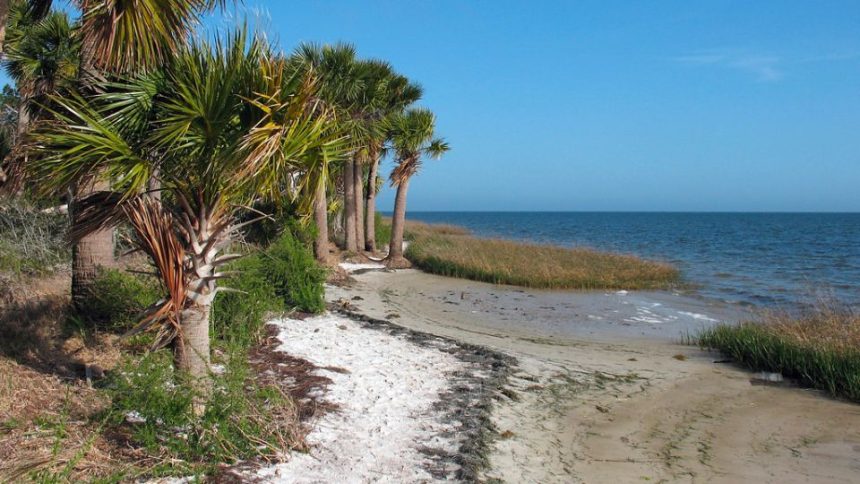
[154,227]
[404,170]
[97,211]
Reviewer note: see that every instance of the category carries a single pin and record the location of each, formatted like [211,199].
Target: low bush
[242,419]
[117,299]
[296,276]
[820,349]
[382,230]
[238,316]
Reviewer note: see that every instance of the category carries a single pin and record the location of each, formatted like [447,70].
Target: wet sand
[604,391]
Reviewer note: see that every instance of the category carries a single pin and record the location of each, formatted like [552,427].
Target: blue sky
[603,105]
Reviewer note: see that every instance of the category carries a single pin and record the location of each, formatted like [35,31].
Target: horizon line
[788,212]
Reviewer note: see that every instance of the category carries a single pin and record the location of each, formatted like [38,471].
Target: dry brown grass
[414,229]
[829,326]
[533,265]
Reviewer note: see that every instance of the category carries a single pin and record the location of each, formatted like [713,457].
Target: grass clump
[283,276]
[382,230]
[497,261]
[31,242]
[820,348]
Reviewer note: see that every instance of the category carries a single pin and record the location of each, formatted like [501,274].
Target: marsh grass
[449,251]
[820,348]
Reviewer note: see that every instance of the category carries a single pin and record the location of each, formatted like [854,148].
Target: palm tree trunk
[154,184]
[358,175]
[321,220]
[350,243]
[191,353]
[370,210]
[90,253]
[96,249]
[395,258]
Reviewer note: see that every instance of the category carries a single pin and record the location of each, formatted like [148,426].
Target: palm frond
[126,35]
[80,142]
[156,236]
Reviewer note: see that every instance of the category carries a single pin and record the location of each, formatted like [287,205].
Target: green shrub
[382,228]
[238,317]
[242,419]
[296,276]
[118,298]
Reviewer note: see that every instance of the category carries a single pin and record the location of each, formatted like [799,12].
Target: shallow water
[760,259]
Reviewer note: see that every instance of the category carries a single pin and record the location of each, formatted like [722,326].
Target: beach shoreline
[613,402]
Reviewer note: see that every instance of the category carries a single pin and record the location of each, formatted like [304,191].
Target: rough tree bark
[96,249]
[321,220]
[191,352]
[358,176]
[395,259]
[350,242]
[370,210]
[91,253]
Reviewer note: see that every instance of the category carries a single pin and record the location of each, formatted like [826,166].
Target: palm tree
[4,16]
[121,36]
[340,81]
[395,95]
[42,58]
[412,135]
[226,126]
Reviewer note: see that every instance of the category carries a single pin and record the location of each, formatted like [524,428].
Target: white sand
[352,267]
[386,404]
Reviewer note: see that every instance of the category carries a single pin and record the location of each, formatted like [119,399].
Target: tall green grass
[290,266]
[819,349]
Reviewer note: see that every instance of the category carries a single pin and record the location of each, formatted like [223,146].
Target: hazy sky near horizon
[610,105]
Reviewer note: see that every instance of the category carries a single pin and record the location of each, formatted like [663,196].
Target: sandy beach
[603,390]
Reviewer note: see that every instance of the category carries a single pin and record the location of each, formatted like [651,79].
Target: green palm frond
[412,135]
[81,141]
[42,55]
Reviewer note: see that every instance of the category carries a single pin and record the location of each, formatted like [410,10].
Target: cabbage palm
[42,58]
[394,94]
[412,136]
[121,36]
[340,87]
[226,126]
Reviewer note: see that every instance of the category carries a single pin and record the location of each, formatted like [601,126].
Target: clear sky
[604,105]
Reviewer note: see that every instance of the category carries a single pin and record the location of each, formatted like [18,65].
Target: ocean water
[761,259]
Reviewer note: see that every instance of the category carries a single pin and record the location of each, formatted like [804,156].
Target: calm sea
[763,259]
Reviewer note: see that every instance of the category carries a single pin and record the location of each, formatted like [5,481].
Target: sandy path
[598,404]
